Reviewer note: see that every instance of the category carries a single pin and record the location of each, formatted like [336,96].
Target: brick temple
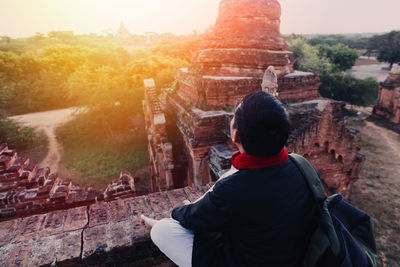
[387,108]
[188,126]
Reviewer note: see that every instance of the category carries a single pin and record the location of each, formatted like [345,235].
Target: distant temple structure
[123,32]
[387,108]
[244,53]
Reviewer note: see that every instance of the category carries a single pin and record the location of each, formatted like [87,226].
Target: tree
[386,46]
[347,88]
[340,55]
[307,57]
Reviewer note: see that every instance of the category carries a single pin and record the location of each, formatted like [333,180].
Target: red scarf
[249,162]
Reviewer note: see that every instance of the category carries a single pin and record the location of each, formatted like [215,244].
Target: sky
[23,18]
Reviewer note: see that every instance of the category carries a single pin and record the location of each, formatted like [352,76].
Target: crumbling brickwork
[160,150]
[25,189]
[243,45]
[387,108]
[319,134]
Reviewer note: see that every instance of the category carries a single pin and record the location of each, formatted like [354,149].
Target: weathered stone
[76,219]
[8,231]
[98,214]
[138,206]
[95,244]
[18,255]
[119,235]
[119,211]
[176,197]
[159,202]
[44,252]
[29,228]
[121,240]
[194,193]
[70,249]
[53,223]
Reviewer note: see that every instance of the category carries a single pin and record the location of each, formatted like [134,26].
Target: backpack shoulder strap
[313,181]
[311,176]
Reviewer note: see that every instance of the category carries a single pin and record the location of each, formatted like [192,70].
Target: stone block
[77,218]
[95,245]
[44,252]
[53,223]
[193,193]
[28,228]
[159,202]
[119,235]
[176,197]
[18,255]
[98,214]
[70,249]
[118,211]
[138,206]
[8,231]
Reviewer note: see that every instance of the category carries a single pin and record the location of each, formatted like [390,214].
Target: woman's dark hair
[263,124]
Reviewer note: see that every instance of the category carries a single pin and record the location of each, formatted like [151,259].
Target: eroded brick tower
[387,108]
[244,43]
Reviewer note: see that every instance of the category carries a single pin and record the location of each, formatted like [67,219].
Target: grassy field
[94,155]
[378,190]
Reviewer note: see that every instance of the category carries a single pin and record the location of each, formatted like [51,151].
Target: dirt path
[391,138]
[47,122]
[378,190]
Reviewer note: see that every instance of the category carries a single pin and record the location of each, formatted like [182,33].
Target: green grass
[95,154]
[37,150]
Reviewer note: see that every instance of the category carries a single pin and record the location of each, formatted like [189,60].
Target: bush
[15,135]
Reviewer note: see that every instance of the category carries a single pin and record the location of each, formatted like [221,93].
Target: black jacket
[259,217]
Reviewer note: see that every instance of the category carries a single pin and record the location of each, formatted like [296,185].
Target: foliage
[308,58]
[63,69]
[355,42]
[328,62]
[15,135]
[340,55]
[387,46]
[347,88]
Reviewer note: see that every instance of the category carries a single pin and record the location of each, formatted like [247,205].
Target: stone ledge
[100,234]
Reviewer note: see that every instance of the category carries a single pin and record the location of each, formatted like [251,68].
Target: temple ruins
[387,108]
[245,53]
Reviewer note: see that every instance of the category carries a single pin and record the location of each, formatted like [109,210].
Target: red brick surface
[105,233]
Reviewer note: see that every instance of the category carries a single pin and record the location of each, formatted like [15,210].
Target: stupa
[244,47]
